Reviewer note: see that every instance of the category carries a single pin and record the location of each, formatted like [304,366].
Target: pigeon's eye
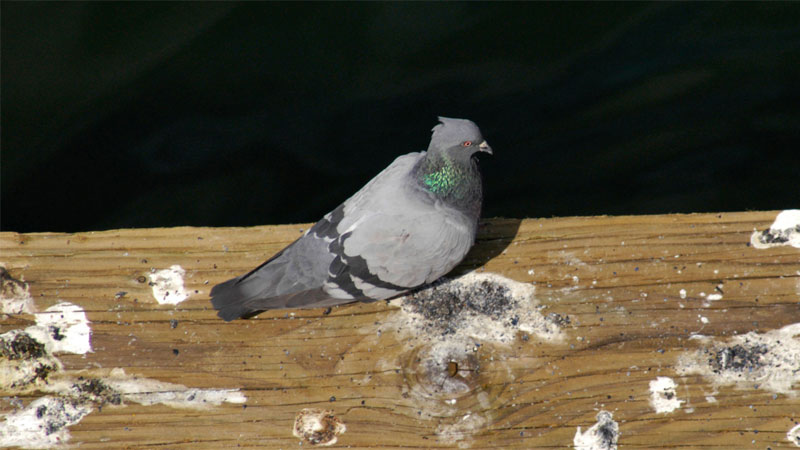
[466,143]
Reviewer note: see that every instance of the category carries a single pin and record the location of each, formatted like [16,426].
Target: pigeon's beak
[484,146]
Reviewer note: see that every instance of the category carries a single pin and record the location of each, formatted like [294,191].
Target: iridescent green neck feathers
[441,180]
[453,180]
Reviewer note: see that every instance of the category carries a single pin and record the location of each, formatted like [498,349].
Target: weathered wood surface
[618,280]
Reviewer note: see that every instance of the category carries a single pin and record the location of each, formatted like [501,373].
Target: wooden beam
[617,303]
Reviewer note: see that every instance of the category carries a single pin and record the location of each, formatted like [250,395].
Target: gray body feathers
[395,234]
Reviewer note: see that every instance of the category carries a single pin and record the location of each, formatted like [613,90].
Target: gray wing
[314,270]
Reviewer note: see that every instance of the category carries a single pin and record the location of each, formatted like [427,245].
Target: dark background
[162,114]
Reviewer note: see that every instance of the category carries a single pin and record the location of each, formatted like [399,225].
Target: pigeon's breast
[395,236]
[408,239]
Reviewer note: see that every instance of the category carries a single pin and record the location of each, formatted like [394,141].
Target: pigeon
[408,226]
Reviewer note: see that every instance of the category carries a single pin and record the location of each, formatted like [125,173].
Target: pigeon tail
[231,305]
[228,300]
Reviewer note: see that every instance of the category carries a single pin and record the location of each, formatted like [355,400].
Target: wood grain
[615,282]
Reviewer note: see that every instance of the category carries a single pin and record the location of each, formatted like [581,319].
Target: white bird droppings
[318,426]
[449,330]
[784,231]
[43,423]
[682,293]
[484,306]
[147,391]
[30,365]
[749,361]
[794,435]
[663,397]
[601,436]
[15,297]
[63,328]
[26,361]
[168,285]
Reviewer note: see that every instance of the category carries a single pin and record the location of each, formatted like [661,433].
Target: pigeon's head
[459,138]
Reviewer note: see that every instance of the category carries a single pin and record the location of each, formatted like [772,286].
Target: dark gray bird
[411,224]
